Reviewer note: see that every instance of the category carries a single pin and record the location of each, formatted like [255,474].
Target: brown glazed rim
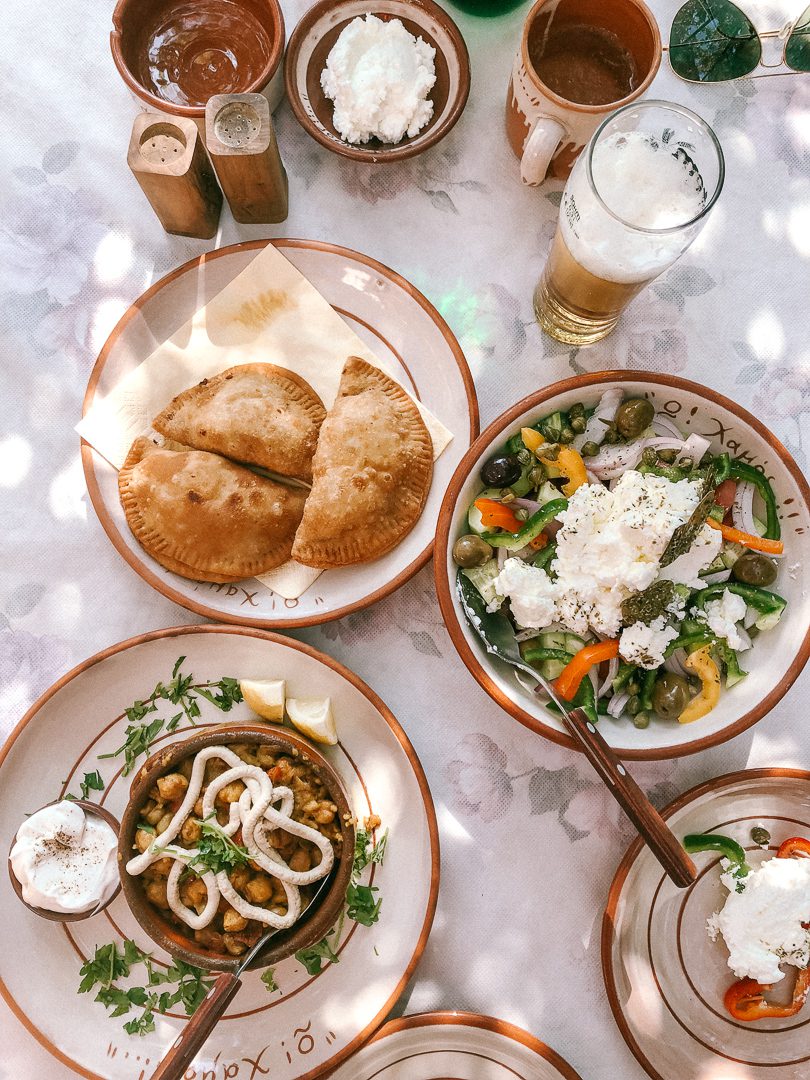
[77,916]
[302,934]
[194,112]
[88,463]
[381,155]
[388,717]
[477,1020]
[630,856]
[445,589]
[593,110]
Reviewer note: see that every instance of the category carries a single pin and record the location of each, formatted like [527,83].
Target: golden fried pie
[371,472]
[258,413]
[204,517]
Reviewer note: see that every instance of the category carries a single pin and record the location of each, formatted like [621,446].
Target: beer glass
[637,197]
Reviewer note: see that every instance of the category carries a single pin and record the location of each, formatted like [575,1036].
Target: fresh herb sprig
[313,958]
[109,965]
[216,851]
[92,782]
[179,690]
[268,977]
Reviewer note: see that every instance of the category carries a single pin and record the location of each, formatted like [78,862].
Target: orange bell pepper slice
[496,515]
[745,1000]
[532,439]
[567,682]
[755,543]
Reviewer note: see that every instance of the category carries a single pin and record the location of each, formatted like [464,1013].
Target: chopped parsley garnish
[216,851]
[314,957]
[108,965]
[180,690]
[268,977]
[367,852]
[361,906]
[92,782]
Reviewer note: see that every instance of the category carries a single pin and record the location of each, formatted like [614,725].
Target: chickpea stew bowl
[648,540]
[229,833]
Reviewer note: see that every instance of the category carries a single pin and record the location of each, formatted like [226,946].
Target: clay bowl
[137,22]
[778,655]
[310,928]
[312,41]
[79,916]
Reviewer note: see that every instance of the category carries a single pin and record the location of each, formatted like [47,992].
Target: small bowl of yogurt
[377,80]
[63,862]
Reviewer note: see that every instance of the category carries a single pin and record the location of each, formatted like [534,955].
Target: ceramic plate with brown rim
[402,327]
[314,1020]
[665,978]
[312,41]
[777,657]
[465,1046]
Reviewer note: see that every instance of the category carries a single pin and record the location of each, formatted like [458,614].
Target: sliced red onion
[742,510]
[675,663]
[612,461]
[715,579]
[525,504]
[603,414]
[553,528]
[695,447]
[604,686]
[617,703]
[665,425]
[592,477]
[502,555]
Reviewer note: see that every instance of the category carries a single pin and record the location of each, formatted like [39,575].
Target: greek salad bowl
[649,542]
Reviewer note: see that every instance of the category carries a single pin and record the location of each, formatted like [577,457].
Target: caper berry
[537,474]
[684,463]
[642,720]
[760,836]
[670,695]
[471,550]
[507,495]
[611,436]
[633,687]
[668,456]
[578,424]
[589,449]
[754,569]
[524,457]
[521,513]
[649,457]
[551,453]
[577,409]
[633,705]
[501,470]
[633,416]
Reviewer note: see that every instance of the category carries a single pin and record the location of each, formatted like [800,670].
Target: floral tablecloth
[530,839]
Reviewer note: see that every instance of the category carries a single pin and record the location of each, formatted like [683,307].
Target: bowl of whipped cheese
[377,81]
[63,862]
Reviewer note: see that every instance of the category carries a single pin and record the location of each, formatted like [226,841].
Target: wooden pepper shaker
[168,159]
[242,144]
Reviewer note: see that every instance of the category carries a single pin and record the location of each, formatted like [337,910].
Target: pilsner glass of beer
[638,195]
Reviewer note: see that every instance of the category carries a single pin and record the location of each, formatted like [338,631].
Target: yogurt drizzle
[255,812]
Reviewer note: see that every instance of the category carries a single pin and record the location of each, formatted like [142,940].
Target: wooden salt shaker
[168,159]
[242,144]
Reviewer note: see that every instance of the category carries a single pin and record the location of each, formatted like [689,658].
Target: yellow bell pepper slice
[532,439]
[700,663]
[570,464]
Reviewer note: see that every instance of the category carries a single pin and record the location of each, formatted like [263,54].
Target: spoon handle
[655,832]
[190,1040]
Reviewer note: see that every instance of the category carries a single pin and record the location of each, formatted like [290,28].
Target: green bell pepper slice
[741,470]
[727,847]
[531,530]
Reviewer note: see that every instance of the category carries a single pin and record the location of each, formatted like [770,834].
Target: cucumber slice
[768,620]
[553,639]
[573,643]
[474,514]
[547,493]
[483,578]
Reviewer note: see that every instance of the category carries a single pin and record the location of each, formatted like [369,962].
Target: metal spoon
[498,636]
[191,1039]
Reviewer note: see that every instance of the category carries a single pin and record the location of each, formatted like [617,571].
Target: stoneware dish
[778,656]
[203,39]
[312,41]
[310,928]
[665,979]
[74,728]
[60,916]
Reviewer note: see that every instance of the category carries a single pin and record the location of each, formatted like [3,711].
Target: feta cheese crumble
[608,549]
[722,616]
[644,645]
[762,923]
[379,77]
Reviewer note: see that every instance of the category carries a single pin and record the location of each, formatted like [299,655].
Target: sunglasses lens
[797,50]
[713,41]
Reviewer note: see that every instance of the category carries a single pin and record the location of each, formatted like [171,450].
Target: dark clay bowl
[79,916]
[310,928]
[312,41]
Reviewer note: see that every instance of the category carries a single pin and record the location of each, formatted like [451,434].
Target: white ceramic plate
[315,1021]
[464,1046]
[665,979]
[405,331]
[777,657]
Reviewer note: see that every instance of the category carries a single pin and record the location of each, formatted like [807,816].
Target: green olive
[471,550]
[754,569]
[589,449]
[670,696]
[633,416]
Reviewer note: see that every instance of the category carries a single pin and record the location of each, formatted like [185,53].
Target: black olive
[633,416]
[670,695]
[501,471]
[471,550]
[754,569]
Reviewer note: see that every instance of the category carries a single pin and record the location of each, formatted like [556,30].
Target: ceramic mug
[546,131]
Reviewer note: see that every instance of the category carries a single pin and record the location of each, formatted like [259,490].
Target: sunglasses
[713,41]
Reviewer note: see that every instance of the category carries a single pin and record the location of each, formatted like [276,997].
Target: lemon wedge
[313,718]
[265,696]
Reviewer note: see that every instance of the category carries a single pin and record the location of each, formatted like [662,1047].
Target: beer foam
[645,183]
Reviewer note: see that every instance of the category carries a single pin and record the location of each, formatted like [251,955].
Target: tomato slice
[725,492]
[795,846]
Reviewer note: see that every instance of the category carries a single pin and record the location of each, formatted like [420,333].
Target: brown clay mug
[547,130]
